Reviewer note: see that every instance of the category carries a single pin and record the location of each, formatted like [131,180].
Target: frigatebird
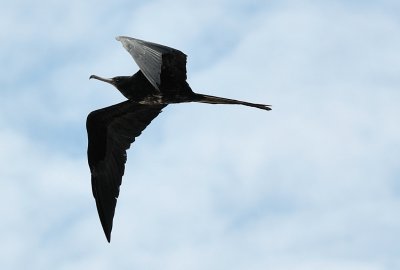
[161,80]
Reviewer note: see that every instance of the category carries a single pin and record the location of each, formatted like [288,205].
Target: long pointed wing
[160,64]
[111,131]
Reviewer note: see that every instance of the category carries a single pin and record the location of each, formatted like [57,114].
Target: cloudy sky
[313,184]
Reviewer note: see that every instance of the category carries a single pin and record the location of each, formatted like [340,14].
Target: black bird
[160,81]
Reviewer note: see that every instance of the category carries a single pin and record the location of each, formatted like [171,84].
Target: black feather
[111,131]
[161,80]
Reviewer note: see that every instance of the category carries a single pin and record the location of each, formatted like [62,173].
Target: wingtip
[107,226]
[107,232]
[124,38]
[108,238]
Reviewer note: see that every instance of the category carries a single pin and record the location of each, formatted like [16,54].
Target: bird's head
[120,82]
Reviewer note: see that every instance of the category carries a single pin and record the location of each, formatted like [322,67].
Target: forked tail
[218,100]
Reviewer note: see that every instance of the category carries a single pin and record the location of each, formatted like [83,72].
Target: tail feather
[218,100]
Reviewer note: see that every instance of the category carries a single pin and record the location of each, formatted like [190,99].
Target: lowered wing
[111,131]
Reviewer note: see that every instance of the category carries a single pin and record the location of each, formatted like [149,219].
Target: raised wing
[160,64]
[111,131]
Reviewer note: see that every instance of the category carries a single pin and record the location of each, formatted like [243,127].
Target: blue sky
[313,184]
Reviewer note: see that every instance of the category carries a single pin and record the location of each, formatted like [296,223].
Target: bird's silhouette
[160,81]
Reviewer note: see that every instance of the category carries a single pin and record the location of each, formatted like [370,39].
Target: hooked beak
[110,81]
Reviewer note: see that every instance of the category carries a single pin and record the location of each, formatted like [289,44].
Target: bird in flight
[161,80]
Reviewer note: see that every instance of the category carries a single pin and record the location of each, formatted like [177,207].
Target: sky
[312,184]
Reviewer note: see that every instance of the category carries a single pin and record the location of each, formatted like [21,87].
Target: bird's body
[160,81]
